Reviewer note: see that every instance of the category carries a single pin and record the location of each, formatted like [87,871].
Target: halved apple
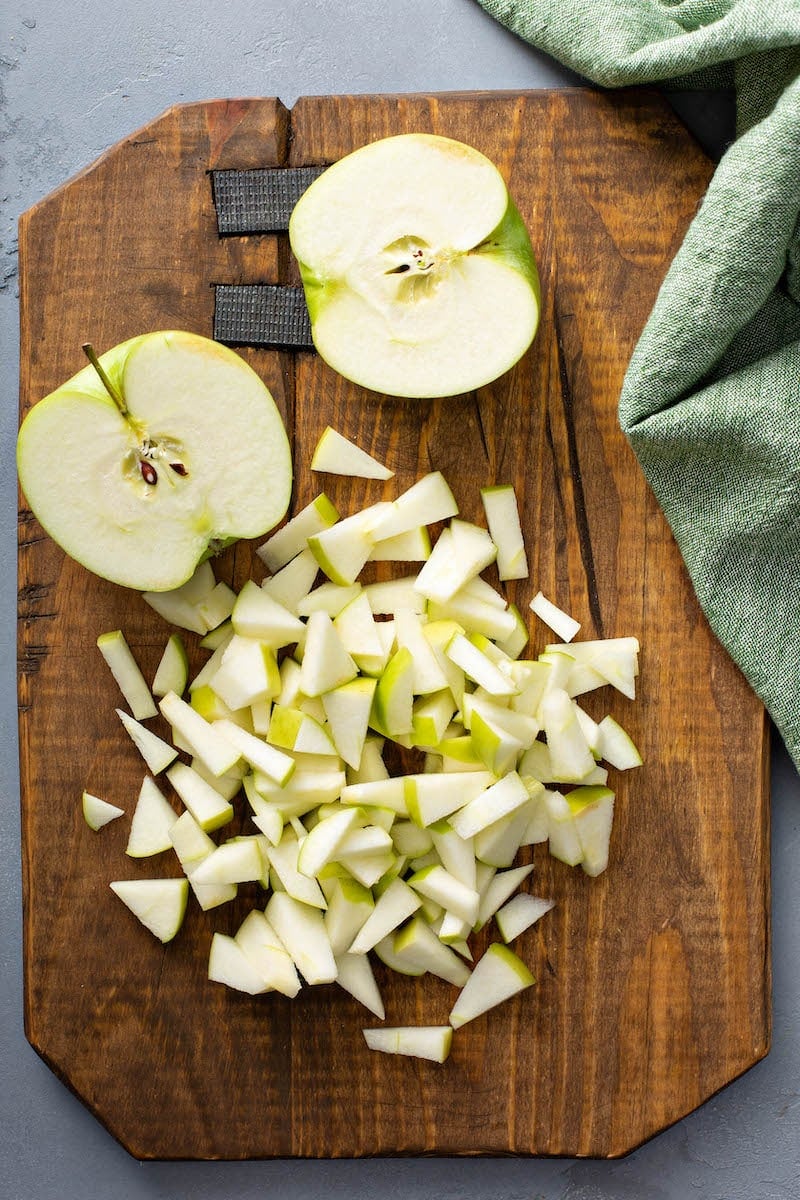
[418,270]
[130,467]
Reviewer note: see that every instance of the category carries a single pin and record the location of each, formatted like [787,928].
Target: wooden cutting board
[653,980]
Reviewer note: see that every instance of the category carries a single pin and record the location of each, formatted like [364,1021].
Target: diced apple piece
[592,809]
[562,832]
[388,597]
[349,905]
[365,841]
[274,763]
[378,793]
[326,663]
[192,844]
[451,929]
[431,1042]
[239,860]
[359,635]
[409,633]
[461,553]
[414,546]
[392,710]
[123,666]
[339,456]
[176,610]
[283,859]
[537,827]
[157,753]
[212,664]
[264,950]
[159,904]
[291,729]
[217,637]
[427,501]
[216,609]
[475,614]
[616,746]
[228,964]
[589,727]
[257,615]
[497,749]
[570,757]
[204,802]
[198,586]
[454,896]
[419,944]
[291,583]
[499,843]
[152,820]
[261,715]
[206,743]
[211,707]
[429,798]
[410,839]
[496,977]
[354,974]
[520,726]
[499,800]
[519,914]
[97,812]
[478,667]
[384,950]
[459,754]
[560,622]
[536,764]
[172,672]
[322,844]
[432,716]
[328,597]
[301,929]
[392,908]
[292,538]
[372,768]
[342,550]
[500,886]
[502,517]
[348,709]
[515,643]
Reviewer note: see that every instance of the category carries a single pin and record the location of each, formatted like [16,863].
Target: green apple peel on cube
[166,448]
[417,267]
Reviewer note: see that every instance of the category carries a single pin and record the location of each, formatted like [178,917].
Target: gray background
[76,76]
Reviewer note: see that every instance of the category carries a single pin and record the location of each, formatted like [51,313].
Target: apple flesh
[138,485]
[98,812]
[431,1042]
[418,270]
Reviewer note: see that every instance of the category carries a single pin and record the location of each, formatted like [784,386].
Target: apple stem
[114,392]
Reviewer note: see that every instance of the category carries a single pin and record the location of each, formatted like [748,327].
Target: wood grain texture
[653,980]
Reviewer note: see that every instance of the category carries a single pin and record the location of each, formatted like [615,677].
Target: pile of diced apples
[304,687]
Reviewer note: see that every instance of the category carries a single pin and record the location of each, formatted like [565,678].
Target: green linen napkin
[711,398]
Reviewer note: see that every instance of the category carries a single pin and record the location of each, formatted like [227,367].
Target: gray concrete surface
[77,75]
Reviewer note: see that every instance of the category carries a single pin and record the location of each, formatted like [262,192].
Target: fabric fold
[711,398]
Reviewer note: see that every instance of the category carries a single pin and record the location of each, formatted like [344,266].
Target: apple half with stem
[163,449]
[417,267]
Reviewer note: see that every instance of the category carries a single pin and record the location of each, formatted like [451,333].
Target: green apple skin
[82,471]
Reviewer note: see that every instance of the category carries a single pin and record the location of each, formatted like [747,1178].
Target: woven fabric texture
[711,398]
